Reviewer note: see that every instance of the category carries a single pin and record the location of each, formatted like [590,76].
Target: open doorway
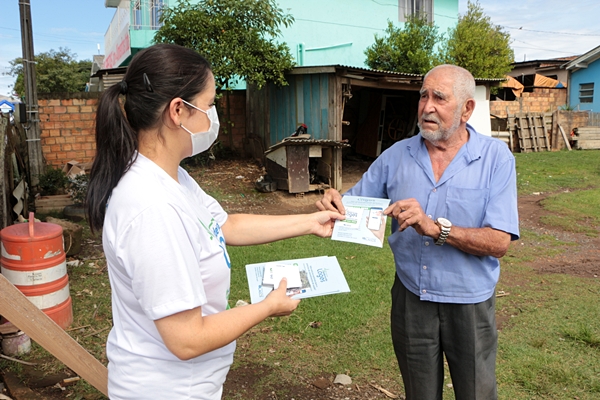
[375,119]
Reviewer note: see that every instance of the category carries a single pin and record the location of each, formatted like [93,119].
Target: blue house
[584,78]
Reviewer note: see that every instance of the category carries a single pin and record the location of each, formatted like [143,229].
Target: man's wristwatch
[445,226]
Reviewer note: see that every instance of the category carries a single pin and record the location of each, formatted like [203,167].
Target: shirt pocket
[465,207]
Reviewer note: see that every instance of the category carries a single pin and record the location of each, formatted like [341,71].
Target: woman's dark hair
[155,76]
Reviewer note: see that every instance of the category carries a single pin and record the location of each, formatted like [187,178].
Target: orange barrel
[34,260]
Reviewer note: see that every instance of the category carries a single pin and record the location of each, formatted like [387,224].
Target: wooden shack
[346,109]
[356,111]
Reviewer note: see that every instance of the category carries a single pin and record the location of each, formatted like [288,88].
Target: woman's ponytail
[116,143]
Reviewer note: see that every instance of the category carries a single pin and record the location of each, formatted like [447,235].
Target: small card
[375,214]
[275,272]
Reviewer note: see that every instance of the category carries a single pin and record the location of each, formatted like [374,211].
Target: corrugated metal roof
[381,72]
[299,142]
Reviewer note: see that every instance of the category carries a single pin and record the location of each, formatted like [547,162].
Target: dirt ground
[234,182]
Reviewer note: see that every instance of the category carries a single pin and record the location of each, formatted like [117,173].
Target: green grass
[549,347]
[574,211]
[346,319]
[556,171]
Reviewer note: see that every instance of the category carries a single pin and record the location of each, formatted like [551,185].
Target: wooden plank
[544,130]
[523,140]
[511,129]
[532,133]
[564,136]
[297,169]
[587,137]
[17,308]
[587,144]
[588,129]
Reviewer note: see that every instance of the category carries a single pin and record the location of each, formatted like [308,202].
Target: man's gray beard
[440,134]
[435,136]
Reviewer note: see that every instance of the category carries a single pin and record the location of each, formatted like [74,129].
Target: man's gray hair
[464,83]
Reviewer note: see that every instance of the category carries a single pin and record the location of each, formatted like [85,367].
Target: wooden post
[564,136]
[22,313]
[4,126]
[34,144]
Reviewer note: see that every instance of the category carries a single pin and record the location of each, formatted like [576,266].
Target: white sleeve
[161,252]
[209,202]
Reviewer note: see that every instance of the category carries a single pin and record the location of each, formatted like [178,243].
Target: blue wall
[338,31]
[591,74]
[305,100]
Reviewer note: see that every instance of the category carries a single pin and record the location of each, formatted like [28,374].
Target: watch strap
[445,231]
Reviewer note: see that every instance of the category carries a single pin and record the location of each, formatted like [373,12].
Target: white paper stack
[318,276]
[275,272]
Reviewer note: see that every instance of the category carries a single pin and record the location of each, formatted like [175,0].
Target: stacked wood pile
[587,137]
[531,129]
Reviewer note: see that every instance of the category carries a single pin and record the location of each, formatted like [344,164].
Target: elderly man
[454,204]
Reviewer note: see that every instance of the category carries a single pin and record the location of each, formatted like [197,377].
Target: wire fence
[594,119]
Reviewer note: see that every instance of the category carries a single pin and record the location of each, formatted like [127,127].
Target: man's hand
[408,212]
[331,201]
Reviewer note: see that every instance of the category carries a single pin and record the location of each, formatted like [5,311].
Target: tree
[478,45]
[408,49]
[56,72]
[236,36]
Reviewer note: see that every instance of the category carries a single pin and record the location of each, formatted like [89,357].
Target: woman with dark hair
[164,237]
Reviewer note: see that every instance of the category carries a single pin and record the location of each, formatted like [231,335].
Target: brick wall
[67,127]
[67,122]
[568,120]
[541,100]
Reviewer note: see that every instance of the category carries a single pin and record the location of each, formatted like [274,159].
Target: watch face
[444,222]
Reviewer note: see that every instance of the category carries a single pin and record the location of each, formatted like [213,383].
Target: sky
[539,29]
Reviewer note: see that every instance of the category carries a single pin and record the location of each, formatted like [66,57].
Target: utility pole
[32,127]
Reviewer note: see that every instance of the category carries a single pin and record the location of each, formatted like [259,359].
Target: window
[155,13]
[586,93]
[136,14]
[415,7]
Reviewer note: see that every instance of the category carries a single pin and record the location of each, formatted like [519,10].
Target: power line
[553,32]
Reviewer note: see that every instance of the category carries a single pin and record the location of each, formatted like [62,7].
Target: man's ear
[467,110]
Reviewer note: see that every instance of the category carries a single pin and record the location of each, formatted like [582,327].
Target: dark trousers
[423,331]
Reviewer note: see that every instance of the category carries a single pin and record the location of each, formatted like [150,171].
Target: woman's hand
[281,304]
[324,221]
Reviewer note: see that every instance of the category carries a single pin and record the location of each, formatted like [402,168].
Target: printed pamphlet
[364,223]
[319,276]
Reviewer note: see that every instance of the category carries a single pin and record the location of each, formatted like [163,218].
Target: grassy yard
[549,344]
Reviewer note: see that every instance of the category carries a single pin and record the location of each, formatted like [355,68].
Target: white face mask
[202,141]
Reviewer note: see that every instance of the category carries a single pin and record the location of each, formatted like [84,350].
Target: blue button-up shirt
[478,189]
